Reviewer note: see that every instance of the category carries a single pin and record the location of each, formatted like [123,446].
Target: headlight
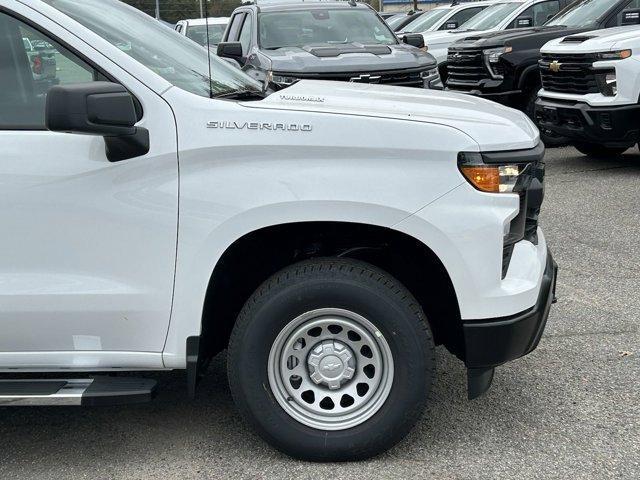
[429,74]
[498,178]
[281,80]
[617,55]
[607,83]
[492,59]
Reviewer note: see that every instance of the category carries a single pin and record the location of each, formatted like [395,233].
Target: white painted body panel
[627,70]
[377,155]
[90,258]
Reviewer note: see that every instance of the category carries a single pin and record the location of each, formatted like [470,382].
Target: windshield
[174,57]
[299,28]
[491,17]
[582,13]
[396,20]
[425,21]
[198,33]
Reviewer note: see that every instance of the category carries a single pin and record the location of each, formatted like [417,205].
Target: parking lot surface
[569,410]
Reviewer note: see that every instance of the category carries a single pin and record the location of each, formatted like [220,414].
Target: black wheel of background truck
[549,138]
[600,151]
[331,360]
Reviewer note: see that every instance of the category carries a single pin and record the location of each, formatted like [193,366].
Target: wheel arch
[256,255]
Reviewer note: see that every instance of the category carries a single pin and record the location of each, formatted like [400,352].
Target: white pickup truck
[328,235]
[591,88]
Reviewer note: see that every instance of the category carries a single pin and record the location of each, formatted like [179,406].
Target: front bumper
[489,343]
[610,126]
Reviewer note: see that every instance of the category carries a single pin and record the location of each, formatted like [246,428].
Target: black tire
[332,283]
[600,151]
[549,138]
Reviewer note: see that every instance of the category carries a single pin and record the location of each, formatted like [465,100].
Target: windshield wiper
[241,94]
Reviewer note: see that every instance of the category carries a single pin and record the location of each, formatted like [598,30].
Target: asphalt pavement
[569,410]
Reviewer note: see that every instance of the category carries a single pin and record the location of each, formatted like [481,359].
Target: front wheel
[331,360]
[600,151]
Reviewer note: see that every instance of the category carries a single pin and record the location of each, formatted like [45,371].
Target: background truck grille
[465,67]
[568,73]
[405,77]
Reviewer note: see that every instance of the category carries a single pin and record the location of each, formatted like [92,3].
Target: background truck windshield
[491,17]
[427,20]
[582,13]
[300,28]
[174,57]
[198,33]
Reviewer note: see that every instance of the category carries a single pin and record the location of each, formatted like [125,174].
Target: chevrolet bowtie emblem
[330,367]
[366,78]
[555,66]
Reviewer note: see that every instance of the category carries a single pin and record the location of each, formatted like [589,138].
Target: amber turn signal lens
[485,178]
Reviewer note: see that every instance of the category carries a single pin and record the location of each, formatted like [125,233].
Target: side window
[234,27]
[245,35]
[462,16]
[538,13]
[633,4]
[30,64]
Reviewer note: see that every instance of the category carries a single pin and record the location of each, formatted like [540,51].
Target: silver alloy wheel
[330,369]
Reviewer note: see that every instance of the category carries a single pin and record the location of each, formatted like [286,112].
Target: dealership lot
[569,410]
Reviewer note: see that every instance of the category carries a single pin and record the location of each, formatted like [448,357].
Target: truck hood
[492,126]
[438,38]
[519,39]
[595,41]
[350,57]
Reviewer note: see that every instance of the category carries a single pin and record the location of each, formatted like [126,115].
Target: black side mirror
[231,50]
[98,108]
[631,17]
[414,39]
[451,25]
[524,22]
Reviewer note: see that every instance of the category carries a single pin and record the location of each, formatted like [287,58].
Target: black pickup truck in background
[503,66]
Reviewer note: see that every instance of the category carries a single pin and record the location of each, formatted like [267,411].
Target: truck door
[88,246]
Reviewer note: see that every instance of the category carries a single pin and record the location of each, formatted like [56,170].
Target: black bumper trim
[611,126]
[489,343]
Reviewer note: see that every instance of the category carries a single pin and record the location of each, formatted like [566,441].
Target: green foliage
[174,10]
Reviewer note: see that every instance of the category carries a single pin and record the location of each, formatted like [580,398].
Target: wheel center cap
[331,363]
[331,366]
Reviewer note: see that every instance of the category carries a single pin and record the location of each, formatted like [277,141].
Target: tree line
[173,10]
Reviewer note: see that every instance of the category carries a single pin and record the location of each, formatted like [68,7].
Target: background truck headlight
[281,80]
[492,59]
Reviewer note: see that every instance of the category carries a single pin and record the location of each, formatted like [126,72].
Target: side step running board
[77,391]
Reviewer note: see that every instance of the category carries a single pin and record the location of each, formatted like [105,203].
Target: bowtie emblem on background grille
[366,78]
[555,66]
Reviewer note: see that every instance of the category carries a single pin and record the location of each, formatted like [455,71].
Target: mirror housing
[98,108]
[631,16]
[524,22]
[232,50]
[414,39]
[451,25]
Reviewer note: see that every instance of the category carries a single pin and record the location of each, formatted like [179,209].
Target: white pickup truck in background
[591,89]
